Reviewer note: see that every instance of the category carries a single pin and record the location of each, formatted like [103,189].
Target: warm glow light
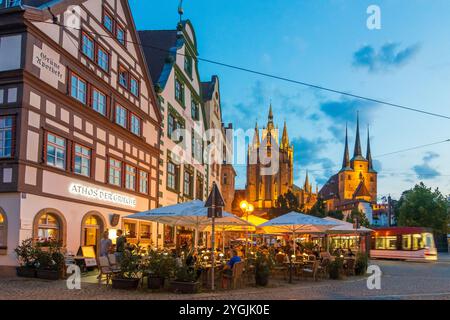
[250,208]
[112,235]
[244,205]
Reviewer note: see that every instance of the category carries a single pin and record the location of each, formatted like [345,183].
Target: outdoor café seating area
[293,247]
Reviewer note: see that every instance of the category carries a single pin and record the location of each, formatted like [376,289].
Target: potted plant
[263,265]
[159,268]
[130,269]
[185,280]
[336,268]
[26,255]
[361,264]
[50,260]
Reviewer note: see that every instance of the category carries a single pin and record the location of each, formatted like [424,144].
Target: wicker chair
[311,270]
[236,277]
[350,267]
[280,265]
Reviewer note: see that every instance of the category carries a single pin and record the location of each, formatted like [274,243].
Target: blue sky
[327,43]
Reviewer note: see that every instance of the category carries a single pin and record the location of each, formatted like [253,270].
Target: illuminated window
[56,151]
[145,231]
[82,159]
[130,177]
[48,227]
[99,102]
[130,229]
[115,172]
[6,136]
[386,243]
[3,230]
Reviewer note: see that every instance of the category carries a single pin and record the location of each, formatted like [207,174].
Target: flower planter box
[125,284]
[26,272]
[184,287]
[155,283]
[49,274]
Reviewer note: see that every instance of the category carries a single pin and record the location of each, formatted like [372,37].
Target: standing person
[120,245]
[105,245]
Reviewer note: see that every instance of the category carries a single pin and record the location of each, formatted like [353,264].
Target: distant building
[355,185]
[265,185]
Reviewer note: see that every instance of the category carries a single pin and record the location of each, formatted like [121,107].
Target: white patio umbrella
[191,214]
[295,222]
[345,227]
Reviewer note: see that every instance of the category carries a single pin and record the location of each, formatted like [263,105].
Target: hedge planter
[155,283]
[26,272]
[49,275]
[125,284]
[184,287]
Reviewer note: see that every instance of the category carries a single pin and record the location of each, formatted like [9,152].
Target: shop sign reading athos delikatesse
[102,195]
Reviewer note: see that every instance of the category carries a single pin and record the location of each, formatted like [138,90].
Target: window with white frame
[135,125]
[143,182]
[82,161]
[130,177]
[99,102]
[56,151]
[115,172]
[78,88]
[121,116]
[6,136]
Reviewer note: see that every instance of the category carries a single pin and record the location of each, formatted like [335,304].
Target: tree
[356,213]
[336,215]
[286,203]
[423,207]
[318,210]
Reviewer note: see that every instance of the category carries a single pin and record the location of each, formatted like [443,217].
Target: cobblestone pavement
[400,280]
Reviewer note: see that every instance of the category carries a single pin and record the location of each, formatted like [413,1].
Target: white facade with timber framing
[79,124]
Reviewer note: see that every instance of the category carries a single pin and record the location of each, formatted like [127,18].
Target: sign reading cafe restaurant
[102,195]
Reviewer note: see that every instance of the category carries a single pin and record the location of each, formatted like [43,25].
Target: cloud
[388,57]
[344,111]
[307,153]
[425,171]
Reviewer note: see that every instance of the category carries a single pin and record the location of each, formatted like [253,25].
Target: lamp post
[246,208]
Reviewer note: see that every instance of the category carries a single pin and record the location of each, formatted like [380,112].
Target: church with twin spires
[270,171]
[355,185]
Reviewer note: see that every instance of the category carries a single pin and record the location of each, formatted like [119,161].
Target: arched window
[3,230]
[49,227]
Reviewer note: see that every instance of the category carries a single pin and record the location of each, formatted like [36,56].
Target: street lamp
[246,208]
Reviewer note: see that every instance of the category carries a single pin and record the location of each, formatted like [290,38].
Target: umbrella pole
[213,244]
[223,241]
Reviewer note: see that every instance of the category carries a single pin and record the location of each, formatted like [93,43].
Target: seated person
[350,253]
[228,269]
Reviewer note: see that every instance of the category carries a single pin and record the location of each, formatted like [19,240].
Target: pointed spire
[346,160]
[369,152]
[307,185]
[256,143]
[285,138]
[270,125]
[358,151]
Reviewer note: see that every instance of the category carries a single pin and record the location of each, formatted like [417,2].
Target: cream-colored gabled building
[174,70]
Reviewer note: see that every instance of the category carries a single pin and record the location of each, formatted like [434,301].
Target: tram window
[406,242]
[417,241]
[386,243]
